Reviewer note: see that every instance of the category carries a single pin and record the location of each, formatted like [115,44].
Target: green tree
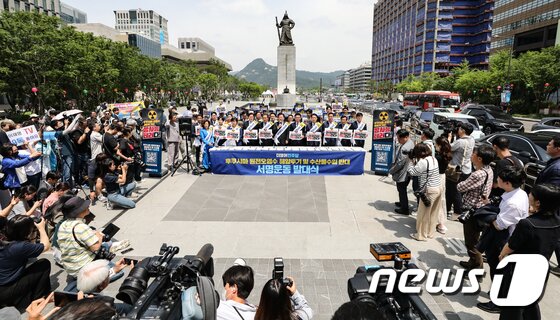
[208,84]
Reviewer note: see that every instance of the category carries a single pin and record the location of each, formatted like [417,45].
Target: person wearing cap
[78,243]
[35,120]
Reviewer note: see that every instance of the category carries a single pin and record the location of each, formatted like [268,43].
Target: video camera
[395,305]
[162,298]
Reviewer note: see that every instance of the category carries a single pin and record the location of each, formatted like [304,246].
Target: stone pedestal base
[286,100]
[287,68]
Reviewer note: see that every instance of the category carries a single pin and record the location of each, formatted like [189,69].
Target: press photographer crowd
[483,187]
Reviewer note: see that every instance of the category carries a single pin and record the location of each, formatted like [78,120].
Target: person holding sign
[208,142]
[330,124]
[251,124]
[314,127]
[359,125]
[234,133]
[11,161]
[343,139]
[219,133]
[265,130]
[280,131]
[297,132]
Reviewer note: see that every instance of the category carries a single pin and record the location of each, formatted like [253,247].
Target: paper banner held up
[23,135]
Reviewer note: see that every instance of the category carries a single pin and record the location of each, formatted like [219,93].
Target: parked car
[421,120]
[553,131]
[443,120]
[547,123]
[397,107]
[450,110]
[530,148]
[493,120]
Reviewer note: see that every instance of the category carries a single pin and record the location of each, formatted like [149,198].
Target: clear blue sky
[329,34]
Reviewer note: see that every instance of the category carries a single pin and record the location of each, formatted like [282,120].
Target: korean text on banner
[23,135]
[382,144]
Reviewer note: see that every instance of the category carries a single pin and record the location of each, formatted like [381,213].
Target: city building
[522,25]
[48,7]
[70,14]
[194,45]
[417,36]
[359,78]
[342,82]
[200,57]
[147,46]
[147,23]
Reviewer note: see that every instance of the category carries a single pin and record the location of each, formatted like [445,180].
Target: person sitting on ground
[20,284]
[77,242]
[282,302]
[95,179]
[58,190]
[46,185]
[118,190]
[11,161]
[23,207]
[238,283]
[95,277]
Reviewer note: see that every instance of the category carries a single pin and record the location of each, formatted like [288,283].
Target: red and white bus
[433,99]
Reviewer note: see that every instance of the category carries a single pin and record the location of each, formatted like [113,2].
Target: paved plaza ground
[322,226]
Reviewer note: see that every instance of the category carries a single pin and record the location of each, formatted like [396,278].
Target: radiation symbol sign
[383,116]
[152,115]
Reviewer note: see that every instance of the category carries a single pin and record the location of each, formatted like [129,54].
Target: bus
[433,99]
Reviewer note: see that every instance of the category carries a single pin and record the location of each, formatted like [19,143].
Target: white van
[441,119]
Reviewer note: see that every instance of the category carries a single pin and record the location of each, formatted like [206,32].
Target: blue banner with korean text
[287,160]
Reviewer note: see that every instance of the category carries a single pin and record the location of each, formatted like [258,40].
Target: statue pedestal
[287,68]
[286,100]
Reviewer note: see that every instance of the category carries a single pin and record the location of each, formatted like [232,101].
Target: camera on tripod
[278,273]
[162,298]
[395,305]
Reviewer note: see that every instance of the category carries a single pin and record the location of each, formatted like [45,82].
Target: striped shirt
[421,171]
[74,255]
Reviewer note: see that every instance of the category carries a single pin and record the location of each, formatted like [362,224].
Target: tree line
[532,77]
[45,63]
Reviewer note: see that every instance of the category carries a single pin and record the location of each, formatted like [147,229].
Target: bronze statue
[286,25]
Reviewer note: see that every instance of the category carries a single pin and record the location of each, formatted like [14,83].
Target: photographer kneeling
[118,190]
[476,189]
[283,302]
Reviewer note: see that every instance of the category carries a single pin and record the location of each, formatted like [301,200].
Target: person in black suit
[251,124]
[295,127]
[314,126]
[359,124]
[266,124]
[344,125]
[330,124]
[280,131]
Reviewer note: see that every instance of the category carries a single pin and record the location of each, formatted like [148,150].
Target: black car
[492,120]
[530,148]
[421,120]
[409,111]
[547,123]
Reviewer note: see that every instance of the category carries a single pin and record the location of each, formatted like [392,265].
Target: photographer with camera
[24,206]
[282,301]
[11,160]
[399,170]
[460,166]
[475,190]
[78,243]
[238,283]
[20,284]
[426,168]
[116,184]
[513,207]
[63,130]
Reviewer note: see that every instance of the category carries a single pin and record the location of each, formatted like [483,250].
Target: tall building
[70,14]
[342,82]
[194,45]
[417,36]
[523,25]
[48,7]
[359,78]
[147,23]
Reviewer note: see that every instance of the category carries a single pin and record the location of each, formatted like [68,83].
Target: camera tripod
[64,162]
[186,158]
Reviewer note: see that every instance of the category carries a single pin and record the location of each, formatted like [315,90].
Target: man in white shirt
[238,284]
[461,150]
[513,207]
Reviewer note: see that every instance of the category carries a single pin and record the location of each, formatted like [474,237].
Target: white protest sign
[23,135]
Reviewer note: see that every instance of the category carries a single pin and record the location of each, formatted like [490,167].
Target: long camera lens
[133,286]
